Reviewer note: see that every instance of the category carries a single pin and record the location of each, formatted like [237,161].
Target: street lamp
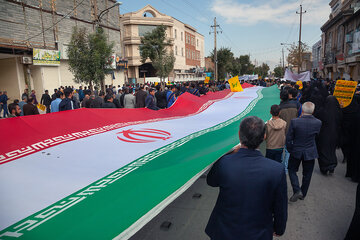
[105,11]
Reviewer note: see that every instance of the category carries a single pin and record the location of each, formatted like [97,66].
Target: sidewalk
[324,215]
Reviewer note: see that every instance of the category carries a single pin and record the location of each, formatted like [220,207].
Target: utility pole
[283,58]
[301,13]
[215,49]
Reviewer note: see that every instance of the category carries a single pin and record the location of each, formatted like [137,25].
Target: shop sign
[46,57]
[121,63]
[111,62]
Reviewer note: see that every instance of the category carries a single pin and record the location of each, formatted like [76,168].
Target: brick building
[44,27]
[209,64]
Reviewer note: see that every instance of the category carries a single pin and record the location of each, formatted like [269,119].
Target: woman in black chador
[351,139]
[354,229]
[331,116]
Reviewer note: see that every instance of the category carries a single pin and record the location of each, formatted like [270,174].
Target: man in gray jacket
[300,141]
[129,99]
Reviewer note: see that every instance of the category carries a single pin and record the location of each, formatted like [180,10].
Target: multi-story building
[187,45]
[306,63]
[34,36]
[209,64]
[317,65]
[340,40]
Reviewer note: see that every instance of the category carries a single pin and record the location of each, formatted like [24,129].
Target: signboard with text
[344,92]
[46,57]
[121,64]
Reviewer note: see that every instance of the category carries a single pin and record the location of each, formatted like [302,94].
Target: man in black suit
[300,142]
[150,101]
[141,97]
[252,203]
[46,100]
[67,103]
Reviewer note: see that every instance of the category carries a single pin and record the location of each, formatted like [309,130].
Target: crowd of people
[306,125]
[147,95]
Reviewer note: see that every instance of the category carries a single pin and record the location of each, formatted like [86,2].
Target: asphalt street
[325,214]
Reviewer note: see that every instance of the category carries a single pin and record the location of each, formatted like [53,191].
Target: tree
[293,57]
[78,53]
[245,65]
[100,55]
[279,72]
[225,59]
[227,63]
[262,70]
[89,56]
[154,47]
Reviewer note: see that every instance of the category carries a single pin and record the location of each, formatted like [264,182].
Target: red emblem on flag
[143,135]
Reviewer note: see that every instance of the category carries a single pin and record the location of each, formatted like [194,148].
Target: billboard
[46,57]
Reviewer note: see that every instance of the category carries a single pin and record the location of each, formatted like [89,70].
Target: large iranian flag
[104,173]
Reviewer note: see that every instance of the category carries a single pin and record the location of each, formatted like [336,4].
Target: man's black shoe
[296,196]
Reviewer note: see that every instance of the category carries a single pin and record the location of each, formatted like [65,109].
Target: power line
[215,48]
[291,29]
[229,39]
[300,13]
[65,16]
[187,14]
[193,6]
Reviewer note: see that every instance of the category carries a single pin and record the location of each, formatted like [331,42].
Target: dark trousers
[47,108]
[6,110]
[274,154]
[293,168]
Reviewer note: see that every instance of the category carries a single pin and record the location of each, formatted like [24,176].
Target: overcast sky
[249,26]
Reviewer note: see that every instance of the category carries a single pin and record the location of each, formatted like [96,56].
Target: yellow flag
[41,107]
[344,92]
[300,84]
[207,80]
[235,84]
[156,83]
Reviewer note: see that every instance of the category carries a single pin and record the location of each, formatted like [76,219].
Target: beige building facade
[189,53]
[340,43]
[27,26]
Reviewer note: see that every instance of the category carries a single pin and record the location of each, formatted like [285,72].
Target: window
[175,34]
[197,42]
[182,36]
[143,29]
[175,50]
[182,52]
[340,37]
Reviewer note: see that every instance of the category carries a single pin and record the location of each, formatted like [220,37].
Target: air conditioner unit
[26,60]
